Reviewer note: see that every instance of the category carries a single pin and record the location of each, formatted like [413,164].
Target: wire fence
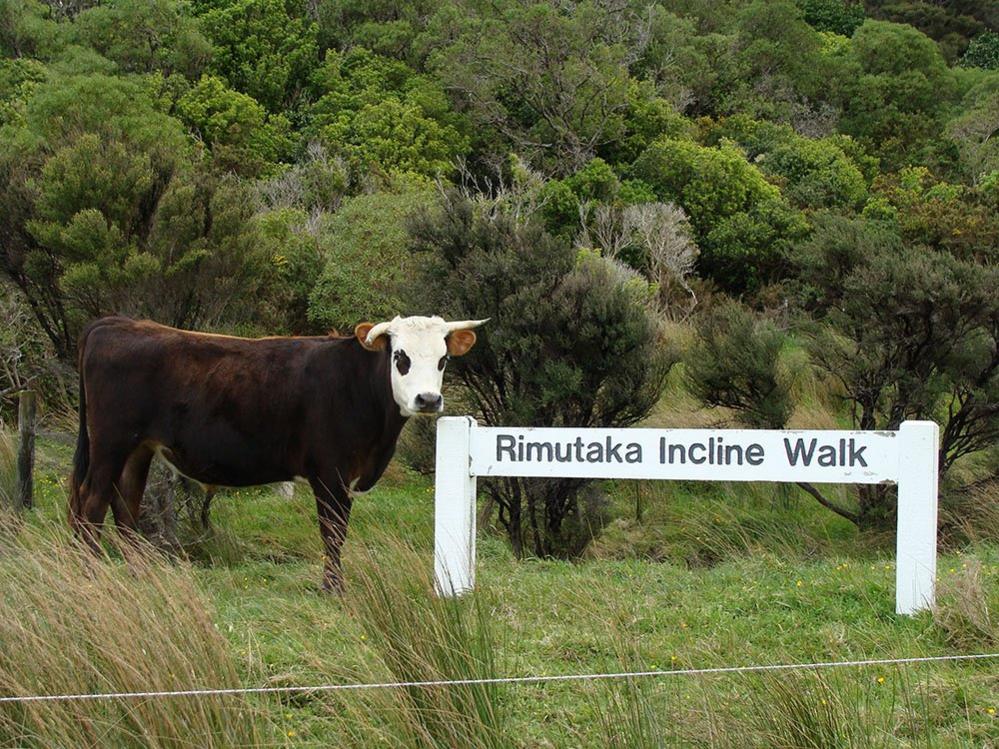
[528,679]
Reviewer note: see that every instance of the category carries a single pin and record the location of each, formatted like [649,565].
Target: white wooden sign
[907,457]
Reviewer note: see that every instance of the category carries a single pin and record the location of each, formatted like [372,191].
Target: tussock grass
[702,525]
[73,623]
[965,612]
[970,516]
[8,468]
[414,635]
[814,710]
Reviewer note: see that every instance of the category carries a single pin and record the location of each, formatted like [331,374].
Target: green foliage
[292,262]
[567,94]
[776,41]
[113,212]
[941,215]
[18,79]
[387,28]
[143,36]
[262,48]
[570,342]
[973,130]
[899,93]
[950,24]
[365,261]
[742,222]
[909,333]
[983,52]
[837,16]
[242,137]
[381,115]
[27,30]
[817,173]
[734,364]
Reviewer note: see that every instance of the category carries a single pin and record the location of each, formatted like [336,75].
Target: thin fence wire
[494,680]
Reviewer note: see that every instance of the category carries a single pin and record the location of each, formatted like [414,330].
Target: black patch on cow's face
[443,362]
[402,362]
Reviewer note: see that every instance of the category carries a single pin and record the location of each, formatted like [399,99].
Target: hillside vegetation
[676,213]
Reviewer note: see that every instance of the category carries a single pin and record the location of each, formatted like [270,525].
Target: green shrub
[365,261]
[742,222]
[570,342]
[983,52]
[734,364]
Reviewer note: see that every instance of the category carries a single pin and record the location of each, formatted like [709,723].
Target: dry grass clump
[8,468]
[964,612]
[71,623]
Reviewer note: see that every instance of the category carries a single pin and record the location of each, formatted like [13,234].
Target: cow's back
[224,409]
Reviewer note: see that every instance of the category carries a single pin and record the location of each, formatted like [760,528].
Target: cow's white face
[419,348]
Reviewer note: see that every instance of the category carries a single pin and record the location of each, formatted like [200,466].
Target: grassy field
[710,576]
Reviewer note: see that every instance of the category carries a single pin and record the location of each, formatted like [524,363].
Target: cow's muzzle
[428,403]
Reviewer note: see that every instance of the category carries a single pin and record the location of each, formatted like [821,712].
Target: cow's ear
[361,332]
[460,341]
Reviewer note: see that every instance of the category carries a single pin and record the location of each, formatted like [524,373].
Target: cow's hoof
[332,587]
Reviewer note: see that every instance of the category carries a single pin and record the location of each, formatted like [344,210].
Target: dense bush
[570,342]
[381,115]
[742,221]
[365,261]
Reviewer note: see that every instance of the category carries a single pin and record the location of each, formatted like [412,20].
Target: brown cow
[238,412]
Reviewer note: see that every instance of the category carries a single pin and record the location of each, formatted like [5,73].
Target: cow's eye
[443,362]
[401,362]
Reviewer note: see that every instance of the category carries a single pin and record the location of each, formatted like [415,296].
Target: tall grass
[72,623]
[802,710]
[8,468]
[413,635]
[964,612]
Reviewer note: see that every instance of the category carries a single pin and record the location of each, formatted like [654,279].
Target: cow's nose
[429,401]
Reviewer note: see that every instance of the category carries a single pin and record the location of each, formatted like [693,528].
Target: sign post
[907,458]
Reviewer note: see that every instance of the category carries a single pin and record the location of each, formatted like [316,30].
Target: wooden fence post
[26,450]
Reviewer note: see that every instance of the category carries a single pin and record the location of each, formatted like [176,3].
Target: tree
[742,222]
[939,214]
[143,36]
[837,16]
[950,24]
[106,207]
[27,30]
[380,115]
[909,333]
[365,260]
[897,101]
[664,234]
[816,173]
[570,342]
[975,130]
[983,52]
[262,49]
[550,83]
[655,238]
[242,137]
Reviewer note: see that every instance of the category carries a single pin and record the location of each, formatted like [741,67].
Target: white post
[916,539]
[454,508]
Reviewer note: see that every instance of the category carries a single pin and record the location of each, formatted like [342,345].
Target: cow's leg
[333,503]
[129,489]
[98,492]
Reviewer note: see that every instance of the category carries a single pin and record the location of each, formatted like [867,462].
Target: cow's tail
[81,459]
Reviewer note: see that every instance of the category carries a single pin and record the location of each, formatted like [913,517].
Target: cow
[231,411]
